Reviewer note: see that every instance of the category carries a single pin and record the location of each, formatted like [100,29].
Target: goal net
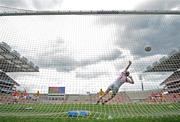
[57,65]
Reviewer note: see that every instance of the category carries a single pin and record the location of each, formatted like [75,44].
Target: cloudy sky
[88,52]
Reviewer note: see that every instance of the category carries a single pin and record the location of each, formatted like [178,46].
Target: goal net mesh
[56,65]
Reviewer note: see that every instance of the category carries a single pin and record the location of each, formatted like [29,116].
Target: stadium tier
[170,64]
[172,83]
[7,84]
[10,61]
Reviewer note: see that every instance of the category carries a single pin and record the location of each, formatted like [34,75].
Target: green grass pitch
[131,112]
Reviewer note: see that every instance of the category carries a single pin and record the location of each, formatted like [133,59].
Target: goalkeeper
[114,87]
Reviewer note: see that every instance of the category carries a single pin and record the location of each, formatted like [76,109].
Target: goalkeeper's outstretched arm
[128,66]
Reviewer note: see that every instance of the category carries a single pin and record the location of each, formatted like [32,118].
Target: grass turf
[134,119]
[140,112]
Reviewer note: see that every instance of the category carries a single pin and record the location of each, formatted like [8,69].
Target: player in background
[124,77]
[101,93]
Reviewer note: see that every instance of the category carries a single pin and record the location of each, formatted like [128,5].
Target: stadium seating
[159,97]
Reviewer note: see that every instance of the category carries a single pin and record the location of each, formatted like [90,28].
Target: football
[147,48]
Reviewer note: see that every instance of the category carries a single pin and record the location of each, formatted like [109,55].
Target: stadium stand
[166,64]
[7,84]
[171,89]
[172,83]
[11,61]
[121,97]
[5,98]
[139,96]
[161,97]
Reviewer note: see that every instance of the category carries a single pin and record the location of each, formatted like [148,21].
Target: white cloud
[100,4]
[33,4]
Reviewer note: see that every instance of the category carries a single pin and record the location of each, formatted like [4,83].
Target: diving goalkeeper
[114,87]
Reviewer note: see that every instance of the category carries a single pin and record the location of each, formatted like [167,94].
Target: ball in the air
[147,48]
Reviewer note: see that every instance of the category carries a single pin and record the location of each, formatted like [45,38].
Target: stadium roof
[172,78]
[166,64]
[11,61]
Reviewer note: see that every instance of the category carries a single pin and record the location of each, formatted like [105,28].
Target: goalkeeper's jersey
[120,80]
